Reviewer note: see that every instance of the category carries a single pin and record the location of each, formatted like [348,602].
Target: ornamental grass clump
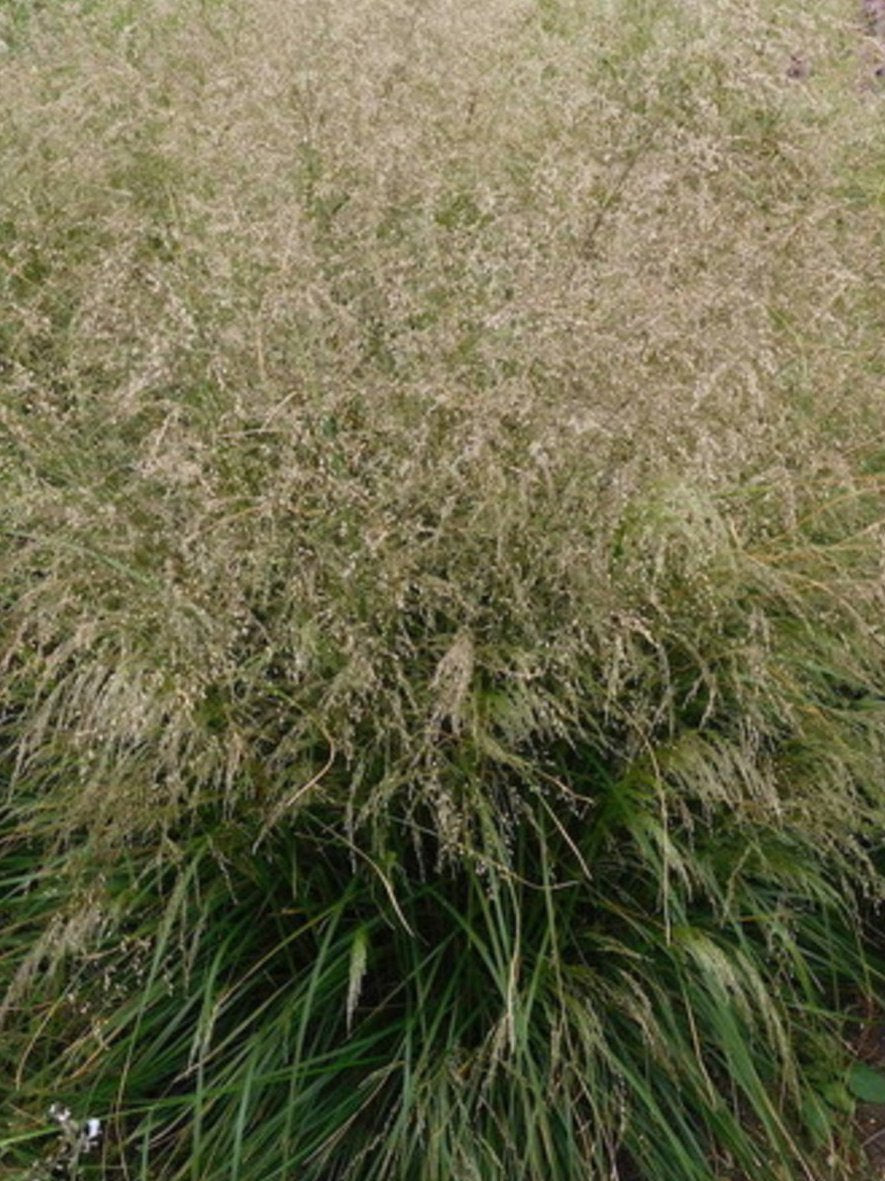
[442,723]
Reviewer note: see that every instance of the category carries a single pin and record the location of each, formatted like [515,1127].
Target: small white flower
[61,1115]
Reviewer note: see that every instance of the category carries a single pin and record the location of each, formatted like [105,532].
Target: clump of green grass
[441,709]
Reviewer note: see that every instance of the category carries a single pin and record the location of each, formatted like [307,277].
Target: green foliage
[251,1016]
[866,1083]
[441,662]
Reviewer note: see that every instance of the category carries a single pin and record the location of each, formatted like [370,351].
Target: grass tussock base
[441,720]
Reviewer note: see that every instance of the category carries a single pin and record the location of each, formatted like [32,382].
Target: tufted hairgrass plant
[442,726]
